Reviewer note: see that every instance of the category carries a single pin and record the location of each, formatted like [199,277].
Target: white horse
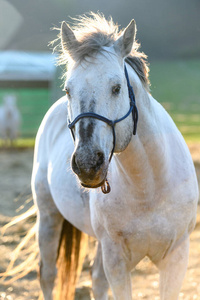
[151,208]
[10,119]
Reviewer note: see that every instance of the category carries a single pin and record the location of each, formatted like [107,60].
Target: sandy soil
[15,174]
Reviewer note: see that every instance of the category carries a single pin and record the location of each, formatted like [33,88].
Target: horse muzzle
[91,169]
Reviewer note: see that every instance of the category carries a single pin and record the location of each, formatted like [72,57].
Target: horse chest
[139,229]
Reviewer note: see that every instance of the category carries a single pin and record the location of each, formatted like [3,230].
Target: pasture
[32,104]
[176,85]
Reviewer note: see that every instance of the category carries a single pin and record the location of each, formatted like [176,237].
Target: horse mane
[94,32]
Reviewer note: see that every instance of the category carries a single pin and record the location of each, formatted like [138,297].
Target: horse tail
[71,254]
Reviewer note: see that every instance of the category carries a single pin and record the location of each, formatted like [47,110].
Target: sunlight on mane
[94,32]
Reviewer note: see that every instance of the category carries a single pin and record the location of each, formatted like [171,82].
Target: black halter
[132,109]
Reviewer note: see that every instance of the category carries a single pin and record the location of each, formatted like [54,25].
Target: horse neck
[142,160]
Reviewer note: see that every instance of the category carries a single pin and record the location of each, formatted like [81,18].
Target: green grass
[176,85]
[24,143]
[21,143]
[32,104]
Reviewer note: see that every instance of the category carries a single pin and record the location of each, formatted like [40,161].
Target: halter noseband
[132,109]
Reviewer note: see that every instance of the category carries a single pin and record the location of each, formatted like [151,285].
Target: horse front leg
[99,281]
[50,226]
[117,270]
[172,271]
[49,222]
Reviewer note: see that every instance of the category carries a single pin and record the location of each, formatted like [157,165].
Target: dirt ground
[15,174]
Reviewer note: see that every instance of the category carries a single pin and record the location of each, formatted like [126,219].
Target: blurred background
[169,33]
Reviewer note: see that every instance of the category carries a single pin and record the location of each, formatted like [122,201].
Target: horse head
[97,93]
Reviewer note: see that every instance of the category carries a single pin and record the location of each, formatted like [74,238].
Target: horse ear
[68,39]
[125,42]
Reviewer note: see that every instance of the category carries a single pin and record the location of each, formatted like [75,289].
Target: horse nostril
[100,158]
[75,167]
[87,166]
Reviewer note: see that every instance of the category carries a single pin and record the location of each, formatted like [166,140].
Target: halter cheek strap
[132,109]
[132,102]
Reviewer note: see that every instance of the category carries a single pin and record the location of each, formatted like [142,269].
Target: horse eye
[67,91]
[116,89]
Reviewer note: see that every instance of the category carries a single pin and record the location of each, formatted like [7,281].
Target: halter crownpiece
[133,109]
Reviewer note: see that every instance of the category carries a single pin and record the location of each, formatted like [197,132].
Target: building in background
[28,76]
